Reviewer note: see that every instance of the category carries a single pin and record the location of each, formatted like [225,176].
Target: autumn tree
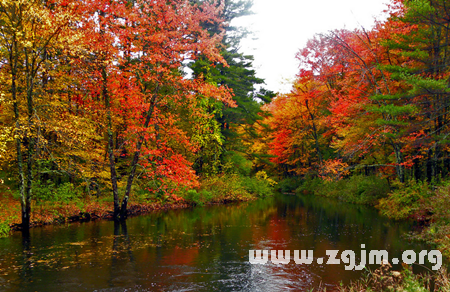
[386,90]
[33,34]
[299,121]
[138,52]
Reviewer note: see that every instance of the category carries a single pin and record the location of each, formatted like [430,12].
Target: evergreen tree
[235,123]
[423,42]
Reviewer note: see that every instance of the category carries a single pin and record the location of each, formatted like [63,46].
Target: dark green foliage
[289,184]
[310,185]
[198,198]
[235,162]
[239,76]
[257,187]
[355,189]
[405,200]
[49,191]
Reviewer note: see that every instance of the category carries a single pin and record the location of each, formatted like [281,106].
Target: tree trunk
[112,163]
[32,141]
[399,163]
[25,210]
[137,153]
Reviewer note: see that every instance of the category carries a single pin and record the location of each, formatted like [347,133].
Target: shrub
[225,188]
[405,200]
[260,186]
[437,211]
[438,205]
[236,163]
[4,228]
[309,185]
[50,192]
[289,184]
[363,189]
[355,189]
[198,198]
[229,188]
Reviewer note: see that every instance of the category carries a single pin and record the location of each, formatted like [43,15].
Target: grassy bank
[356,189]
[62,204]
[426,203]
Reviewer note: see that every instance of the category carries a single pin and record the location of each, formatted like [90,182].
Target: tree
[421,38]
[237,123]
[298,121]
[33,33]
[138,51]
[386,91]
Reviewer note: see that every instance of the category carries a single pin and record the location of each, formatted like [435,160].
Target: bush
[4,228]
[310,185]
[198,198]
[356,189]
[289,184]
[436,211]
[260,185]
[405,200]
[363,189]
[226,188]
[48,191]
[230,188]
[438,205]
[235,162]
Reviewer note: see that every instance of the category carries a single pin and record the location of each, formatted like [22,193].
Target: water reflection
[26,272]
[203,249]
[123,267]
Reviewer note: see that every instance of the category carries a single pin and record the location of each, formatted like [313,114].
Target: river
[199,249]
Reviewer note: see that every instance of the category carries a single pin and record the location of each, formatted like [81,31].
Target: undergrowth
[355,189]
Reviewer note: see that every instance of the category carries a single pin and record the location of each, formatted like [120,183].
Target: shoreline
[99,211]
[133,210]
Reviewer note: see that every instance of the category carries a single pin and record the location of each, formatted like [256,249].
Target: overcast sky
[282,27]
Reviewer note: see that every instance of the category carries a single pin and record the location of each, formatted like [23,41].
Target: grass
[384,279]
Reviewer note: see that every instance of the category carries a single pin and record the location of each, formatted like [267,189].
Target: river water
[200,249]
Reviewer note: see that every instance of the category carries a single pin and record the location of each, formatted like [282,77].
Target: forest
[111,109]
[367,119]
[109,102]
[115,108]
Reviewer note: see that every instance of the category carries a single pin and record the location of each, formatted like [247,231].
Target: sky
[282,27]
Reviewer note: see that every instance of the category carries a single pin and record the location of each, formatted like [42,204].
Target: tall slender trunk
[31,138]
[25,210]
[432,167]
[137,153]
[400,168]
[112,163]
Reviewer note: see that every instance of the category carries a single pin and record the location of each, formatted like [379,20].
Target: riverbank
[386,279]
[427,204]
[223,189]
[58,213]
